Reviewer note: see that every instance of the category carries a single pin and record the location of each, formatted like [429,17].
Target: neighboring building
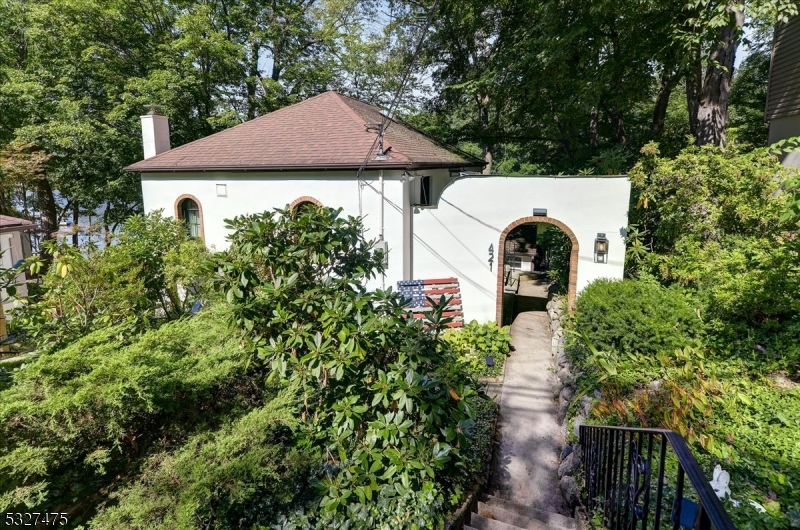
[15,246]
[783,97]
[438,218]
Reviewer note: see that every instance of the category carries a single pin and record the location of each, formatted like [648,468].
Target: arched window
[301,204]
[189,213]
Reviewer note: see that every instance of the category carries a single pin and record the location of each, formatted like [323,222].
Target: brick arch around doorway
[573,260]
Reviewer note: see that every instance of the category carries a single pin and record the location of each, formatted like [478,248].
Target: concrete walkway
[526,465]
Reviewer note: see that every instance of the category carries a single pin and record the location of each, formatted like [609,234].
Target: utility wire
[414,58]
[385,122]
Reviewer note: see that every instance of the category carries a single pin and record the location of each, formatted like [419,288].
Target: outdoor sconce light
[540,212]
[489,361]
[405,176]
[601,248]
[491,255]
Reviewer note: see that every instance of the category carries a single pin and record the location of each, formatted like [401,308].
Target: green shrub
[390,409]
[474,342]
[244,474]
[634,316]
[75,417]
[477,453]
[152,274]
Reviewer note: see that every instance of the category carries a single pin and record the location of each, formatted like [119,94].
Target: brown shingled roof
[13,224]
[328,131]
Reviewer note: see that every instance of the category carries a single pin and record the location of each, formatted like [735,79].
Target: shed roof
[13,224]
[328,131]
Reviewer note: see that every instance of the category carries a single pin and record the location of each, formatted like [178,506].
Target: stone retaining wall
[564,392]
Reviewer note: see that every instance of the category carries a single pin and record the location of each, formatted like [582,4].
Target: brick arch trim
[305,198]
[178,202]
[573,260]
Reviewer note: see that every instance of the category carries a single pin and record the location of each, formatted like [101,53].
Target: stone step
[477,522]
[554,520]
[512,519]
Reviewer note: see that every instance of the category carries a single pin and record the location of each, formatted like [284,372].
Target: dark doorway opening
[536,264]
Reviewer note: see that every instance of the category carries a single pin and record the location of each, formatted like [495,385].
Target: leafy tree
[709,35]
[749,99]
[714,220]
[379,389]
[153,273]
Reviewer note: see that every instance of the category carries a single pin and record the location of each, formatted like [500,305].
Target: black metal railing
[636,479]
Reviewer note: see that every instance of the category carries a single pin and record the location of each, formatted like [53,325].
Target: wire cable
[385,120]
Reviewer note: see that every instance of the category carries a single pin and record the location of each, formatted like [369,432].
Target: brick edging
[199,207]
[573,261]
[305,198]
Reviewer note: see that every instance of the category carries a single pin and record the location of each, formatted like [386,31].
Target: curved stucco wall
[454,238]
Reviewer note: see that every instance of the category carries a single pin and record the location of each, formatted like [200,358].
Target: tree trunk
[563,137]
[712,113]
[594,117]
[48,217]
[694,86]
[619,121]
[482,101]
[75,219]
[251,82]
[669,79]
[109,234]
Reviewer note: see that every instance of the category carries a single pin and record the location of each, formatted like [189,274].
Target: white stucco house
[436,213]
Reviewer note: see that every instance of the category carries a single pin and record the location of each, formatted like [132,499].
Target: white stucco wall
[787,127]
[254,193]
[454,238]
[451,239]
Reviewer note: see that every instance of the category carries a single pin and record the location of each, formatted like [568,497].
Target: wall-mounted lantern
[540,212]
[491,255]
[601,248]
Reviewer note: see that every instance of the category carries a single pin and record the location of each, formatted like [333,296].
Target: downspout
[381,235]
[408,233]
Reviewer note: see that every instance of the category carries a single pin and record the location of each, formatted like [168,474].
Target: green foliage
[474,342]
[761,436]
[153,273]
[380,391]
[746,422]
[749,99]
[243,474]
[706,194]
[634,316]
[75,418]
[712,350]
[717,222]
[556,245]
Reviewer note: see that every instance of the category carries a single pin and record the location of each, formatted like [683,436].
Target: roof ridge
[444,145]
[348,109]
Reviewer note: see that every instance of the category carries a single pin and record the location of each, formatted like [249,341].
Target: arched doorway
[519,240]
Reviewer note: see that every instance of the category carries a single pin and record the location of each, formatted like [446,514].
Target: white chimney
[155,132]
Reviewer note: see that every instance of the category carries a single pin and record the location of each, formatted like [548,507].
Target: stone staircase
[494,513]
